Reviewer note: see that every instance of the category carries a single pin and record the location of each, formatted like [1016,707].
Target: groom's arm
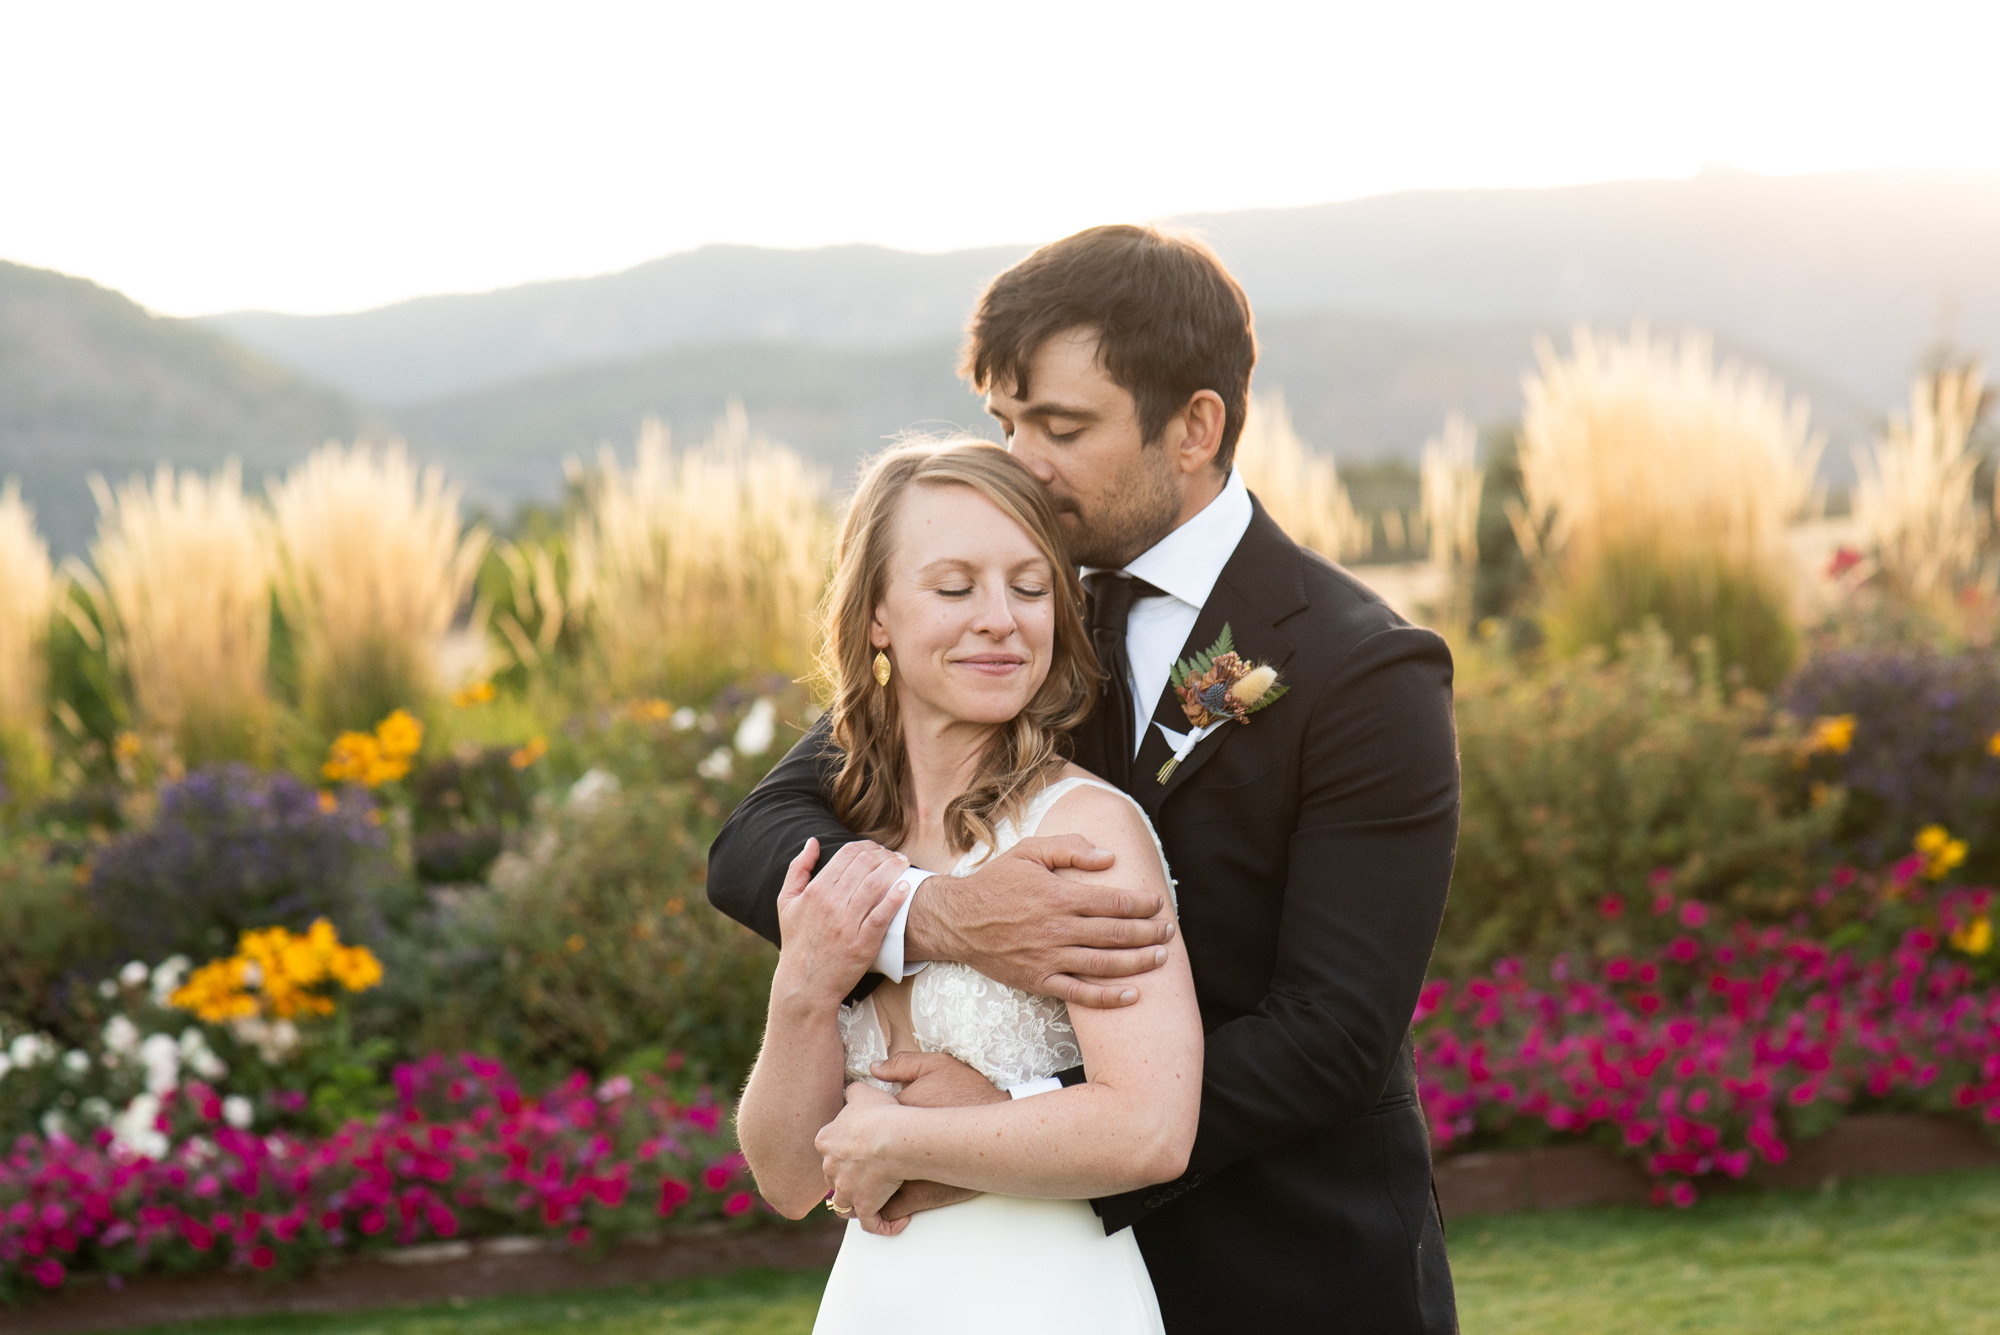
[746,864]
[1370,860]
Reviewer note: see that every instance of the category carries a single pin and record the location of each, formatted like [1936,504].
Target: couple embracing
[1103,900]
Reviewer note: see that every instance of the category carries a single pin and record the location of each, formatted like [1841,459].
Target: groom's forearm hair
[747,861]
[1369,863]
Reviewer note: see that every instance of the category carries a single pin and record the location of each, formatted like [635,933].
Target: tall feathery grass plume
[1913,496]
[695,567]
[377,564]
[1451,483]
[1301,488]
[187,563]
[28,590]
[1659,487]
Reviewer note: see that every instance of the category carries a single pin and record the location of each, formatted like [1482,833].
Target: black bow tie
[1112,594]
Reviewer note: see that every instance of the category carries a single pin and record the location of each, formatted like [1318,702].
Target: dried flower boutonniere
[1215,687]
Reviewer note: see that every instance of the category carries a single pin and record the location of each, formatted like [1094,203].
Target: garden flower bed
[464,1153]
[1722,1044]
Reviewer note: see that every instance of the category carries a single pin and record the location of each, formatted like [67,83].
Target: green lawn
[1871,1257]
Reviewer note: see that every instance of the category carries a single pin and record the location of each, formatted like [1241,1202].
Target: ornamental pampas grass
[1659,488]
[27,596]
[376,566]
[187,563]
[1913,499]
[701,566]
[1302,490]
[1451,484]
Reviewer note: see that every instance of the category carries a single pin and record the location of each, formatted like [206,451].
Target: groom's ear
[1201,423]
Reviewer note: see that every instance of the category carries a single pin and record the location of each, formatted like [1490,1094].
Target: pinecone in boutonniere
[1216,686]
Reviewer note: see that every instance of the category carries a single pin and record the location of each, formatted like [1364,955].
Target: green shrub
[1586,778]
[597,944]
[49,934]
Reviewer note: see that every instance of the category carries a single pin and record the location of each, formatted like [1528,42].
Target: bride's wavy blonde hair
[872,791]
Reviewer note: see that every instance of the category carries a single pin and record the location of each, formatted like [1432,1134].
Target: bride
[958,656]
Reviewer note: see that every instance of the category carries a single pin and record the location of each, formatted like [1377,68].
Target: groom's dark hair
[1170,322]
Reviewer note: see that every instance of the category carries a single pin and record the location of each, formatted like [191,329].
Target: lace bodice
[1007,1035]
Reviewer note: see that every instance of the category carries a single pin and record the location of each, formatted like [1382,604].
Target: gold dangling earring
[881,668]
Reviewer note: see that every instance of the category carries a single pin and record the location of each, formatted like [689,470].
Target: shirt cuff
[889,959]
[1048,1084]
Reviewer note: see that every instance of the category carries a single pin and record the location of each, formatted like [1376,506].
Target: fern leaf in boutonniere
[1216,686]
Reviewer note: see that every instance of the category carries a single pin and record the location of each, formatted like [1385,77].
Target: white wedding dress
[994,1263]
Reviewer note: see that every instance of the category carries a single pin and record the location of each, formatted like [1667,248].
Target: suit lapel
[1260,586]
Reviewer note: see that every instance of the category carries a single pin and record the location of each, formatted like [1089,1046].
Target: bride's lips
[991,665]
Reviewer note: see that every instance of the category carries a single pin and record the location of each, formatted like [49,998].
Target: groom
[1312,843]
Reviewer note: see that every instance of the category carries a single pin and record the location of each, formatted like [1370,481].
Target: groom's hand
[1018,921]
[932,1080]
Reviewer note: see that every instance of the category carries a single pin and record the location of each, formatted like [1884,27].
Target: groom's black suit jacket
[1312,848]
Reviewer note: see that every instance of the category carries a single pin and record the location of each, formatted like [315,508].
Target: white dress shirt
[1184,565]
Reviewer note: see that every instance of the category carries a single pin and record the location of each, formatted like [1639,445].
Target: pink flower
[1682,1194]
[263,1258]
[736,1205]
[716,1176]
[1693,914]
[673,1195]
[1611,907]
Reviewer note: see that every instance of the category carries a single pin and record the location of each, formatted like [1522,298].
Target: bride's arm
[831,928]
[1130,1125]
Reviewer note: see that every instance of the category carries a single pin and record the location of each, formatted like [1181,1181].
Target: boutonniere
[1215,687]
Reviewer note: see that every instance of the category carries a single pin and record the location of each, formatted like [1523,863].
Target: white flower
[121,1036]
[236,1111]
[134,973]
[134,1131]
[95,1110]
[719,764]
[107,989]
[274,1041]
[31,1050]
[161,1057]
[55,1126]
[199,1058]
[76,1061]
[168,976]
[595,784]
[758,729]
[683,719]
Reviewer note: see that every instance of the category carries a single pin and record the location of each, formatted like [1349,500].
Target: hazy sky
[306,156]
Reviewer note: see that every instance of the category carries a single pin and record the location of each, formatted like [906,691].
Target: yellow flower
[127,746]
[401,735]
[328,802]
[536,748]
[575,944]
[1975,937]
[1993,745]
[1834,734]
[478,693]
[355,968]
[650,711]
[215,992]
[1944,852]
[353,756]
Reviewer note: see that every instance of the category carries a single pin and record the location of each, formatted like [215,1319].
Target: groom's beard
[1129,519]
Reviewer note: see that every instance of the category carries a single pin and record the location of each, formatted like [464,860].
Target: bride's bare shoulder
[1110,820]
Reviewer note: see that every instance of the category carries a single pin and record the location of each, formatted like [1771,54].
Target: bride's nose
[993,616]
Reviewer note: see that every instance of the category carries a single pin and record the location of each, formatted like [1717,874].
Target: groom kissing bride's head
[1118,363]
[1130,1098]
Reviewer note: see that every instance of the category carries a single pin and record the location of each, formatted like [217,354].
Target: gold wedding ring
[842,1210]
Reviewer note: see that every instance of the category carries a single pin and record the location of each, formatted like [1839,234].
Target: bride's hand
[851,1147]
[832,924]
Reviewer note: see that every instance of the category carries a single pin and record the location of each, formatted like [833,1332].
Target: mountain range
[1376,317]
